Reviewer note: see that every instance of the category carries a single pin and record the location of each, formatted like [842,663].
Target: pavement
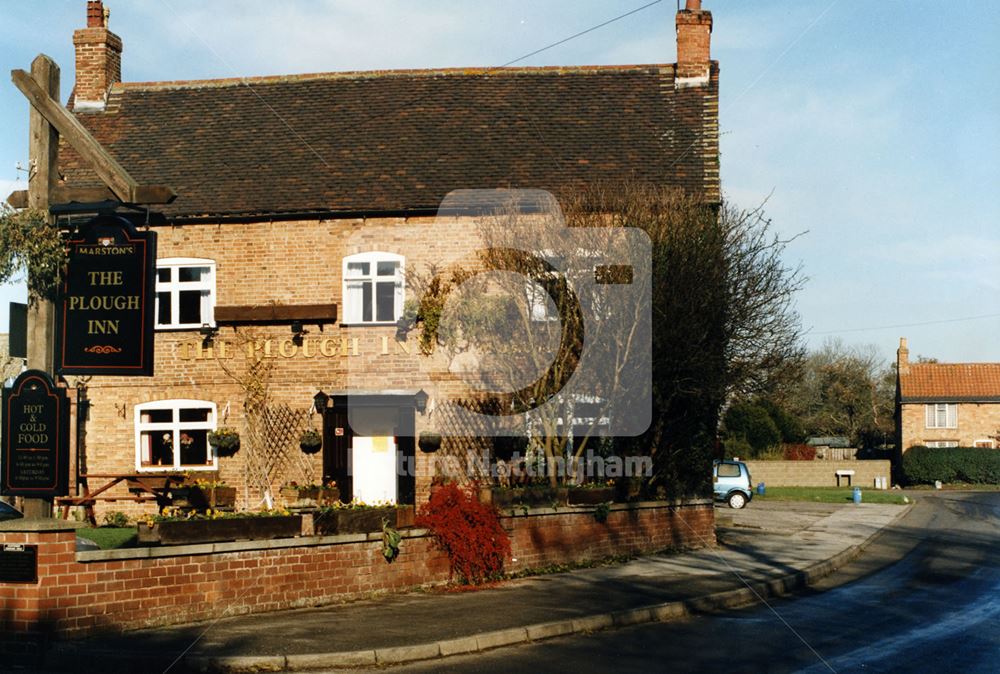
[766,549]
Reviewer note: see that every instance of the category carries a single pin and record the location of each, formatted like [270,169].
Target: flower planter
[535,497]
[591,495]
[200,498]
[186,532]
[353,521]
[406,516]
[318,495]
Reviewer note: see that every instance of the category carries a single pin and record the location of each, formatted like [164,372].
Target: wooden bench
[144,488]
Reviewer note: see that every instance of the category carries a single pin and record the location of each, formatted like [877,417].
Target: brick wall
[976,421]
[817,473]
[78,593]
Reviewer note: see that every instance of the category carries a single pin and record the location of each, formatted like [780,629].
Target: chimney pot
[694,37]
[98,59]
[95,14]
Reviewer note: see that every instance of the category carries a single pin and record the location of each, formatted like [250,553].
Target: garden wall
[83,592]
[817,473]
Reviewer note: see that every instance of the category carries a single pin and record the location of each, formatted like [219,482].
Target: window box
[189,532]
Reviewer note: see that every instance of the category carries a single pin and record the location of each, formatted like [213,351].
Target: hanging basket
[225,441]
[310,441]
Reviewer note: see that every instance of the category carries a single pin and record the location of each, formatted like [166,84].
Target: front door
[369,449]
[373,467]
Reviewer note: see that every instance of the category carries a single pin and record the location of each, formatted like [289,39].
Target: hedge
[974,465]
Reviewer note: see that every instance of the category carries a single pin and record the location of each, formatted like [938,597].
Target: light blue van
[731,483]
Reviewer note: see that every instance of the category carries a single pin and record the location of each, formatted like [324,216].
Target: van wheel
[737,500]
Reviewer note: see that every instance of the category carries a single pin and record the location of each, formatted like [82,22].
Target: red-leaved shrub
[468,531]
[799,452]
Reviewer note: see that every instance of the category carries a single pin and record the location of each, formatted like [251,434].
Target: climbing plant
[28,244]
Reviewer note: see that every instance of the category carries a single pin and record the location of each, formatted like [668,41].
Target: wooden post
[43,151]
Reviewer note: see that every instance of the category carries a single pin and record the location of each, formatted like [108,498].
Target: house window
[941,443]
[185,293]
[173,435]
[373,288]
[941,415]
[987,443]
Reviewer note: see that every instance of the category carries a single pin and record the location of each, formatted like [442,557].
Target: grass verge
[109,537]
[831,495]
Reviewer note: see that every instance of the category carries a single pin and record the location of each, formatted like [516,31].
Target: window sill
[386,324]
[182,328]
[181,469]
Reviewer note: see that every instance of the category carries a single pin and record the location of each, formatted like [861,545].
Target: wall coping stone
[518,511]
[29,525]
[155,552]
[314,541]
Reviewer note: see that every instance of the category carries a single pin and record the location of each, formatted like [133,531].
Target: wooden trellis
[272,450]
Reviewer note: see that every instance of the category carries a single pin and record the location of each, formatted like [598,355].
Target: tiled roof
[951,382]
[396,141]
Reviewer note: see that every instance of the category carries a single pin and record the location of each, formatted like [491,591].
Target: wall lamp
[208,334]
[298,330]
[420,401]
[320,401]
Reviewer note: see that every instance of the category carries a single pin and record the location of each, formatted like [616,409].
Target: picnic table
[143,488]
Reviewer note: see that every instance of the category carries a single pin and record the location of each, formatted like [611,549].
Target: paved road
[935,610]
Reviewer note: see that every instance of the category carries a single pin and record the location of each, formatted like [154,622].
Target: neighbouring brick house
[282,262]
[946,404]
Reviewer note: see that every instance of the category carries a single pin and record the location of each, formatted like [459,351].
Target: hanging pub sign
[104,322]
[34,441]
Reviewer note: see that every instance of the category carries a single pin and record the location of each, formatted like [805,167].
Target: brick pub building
[299,206]
[282,271]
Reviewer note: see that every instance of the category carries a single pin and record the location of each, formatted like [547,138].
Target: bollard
[857,494]
[760,489]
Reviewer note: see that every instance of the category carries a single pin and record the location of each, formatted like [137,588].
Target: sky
[870,129]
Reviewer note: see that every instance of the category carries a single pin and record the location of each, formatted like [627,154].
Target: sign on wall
[18,563]
[34,442]
[104,324]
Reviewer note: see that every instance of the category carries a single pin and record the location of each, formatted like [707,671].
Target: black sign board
[104,322]
[17,343]
[34,443]
[18,563]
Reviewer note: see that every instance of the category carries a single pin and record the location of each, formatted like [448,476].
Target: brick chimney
[98,59]
[903,357]
[694,40]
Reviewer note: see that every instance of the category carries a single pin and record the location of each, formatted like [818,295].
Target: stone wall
[817,473]
[80,593]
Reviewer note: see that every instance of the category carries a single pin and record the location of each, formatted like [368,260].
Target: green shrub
[115,518]
[753,424]
[973,465]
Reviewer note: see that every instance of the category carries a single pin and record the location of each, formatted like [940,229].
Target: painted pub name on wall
[290,347]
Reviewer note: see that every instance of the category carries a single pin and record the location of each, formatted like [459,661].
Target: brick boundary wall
[817,473]
[115,590]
